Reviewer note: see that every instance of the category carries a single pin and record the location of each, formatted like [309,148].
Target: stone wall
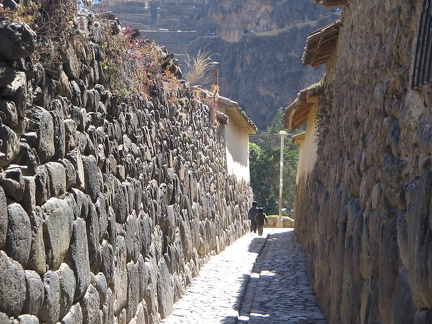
[364,213]
[108,208]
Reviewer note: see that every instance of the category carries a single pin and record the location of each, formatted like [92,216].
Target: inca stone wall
[108,209]
[364,213]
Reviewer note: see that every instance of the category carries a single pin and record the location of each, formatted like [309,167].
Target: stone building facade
[363,213]
[108,208]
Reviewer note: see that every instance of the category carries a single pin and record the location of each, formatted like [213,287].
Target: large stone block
[18,239]
[43,124]
[119,202]
[4,218]
[58,226]
[18,41]
[389,264]
[67,288]
[165,290]
[57,114]
[120,275]
[146,233]
[74,316]
[9,146]
[90,306]
[12,286]
[141,278]
[13,183]
[420,239]
[92,223]
[57,175]
[93,179]
[168,222]
[100,283]
[7,74]
[28,319]
[71,175]
[133,237]
[42,182]
[76,93]
[107,262]
[35,293]
[108,308]
[403,308]
[82,203]
[9,113]
[133,290]
[102,211]
[29,197]
[142,316]
[37,260]
[17,92]
[71,64]
[50,312]
[79,258]
[70,135]
[150,280]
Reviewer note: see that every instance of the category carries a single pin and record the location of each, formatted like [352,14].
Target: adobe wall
[108,209]
[364,214]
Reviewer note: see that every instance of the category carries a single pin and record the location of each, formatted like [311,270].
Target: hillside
[258,44]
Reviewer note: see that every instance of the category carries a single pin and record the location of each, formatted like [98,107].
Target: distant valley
[258,45]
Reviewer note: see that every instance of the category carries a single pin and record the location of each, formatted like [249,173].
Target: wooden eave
[332,3]
[320,44]
[299,138]
[297,112]
[222,118]
[237,115]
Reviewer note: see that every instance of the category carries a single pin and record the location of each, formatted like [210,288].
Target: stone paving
[255,280]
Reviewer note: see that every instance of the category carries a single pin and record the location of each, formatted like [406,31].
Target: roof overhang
[299,138]
[297,112]
[236,114]
[321,43]
[332,3]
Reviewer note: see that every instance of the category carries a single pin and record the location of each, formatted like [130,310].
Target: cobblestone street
[255,280]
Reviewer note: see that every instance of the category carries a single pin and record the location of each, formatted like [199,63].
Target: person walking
[251,215]
[8,5]
[260,217]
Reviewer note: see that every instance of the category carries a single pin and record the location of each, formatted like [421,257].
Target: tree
[264,162]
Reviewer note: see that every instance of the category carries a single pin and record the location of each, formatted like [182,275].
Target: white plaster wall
[237,152]
[308,149]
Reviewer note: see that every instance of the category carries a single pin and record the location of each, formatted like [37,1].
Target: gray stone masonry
[106,212]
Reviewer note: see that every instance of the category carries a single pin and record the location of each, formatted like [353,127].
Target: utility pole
[279,222]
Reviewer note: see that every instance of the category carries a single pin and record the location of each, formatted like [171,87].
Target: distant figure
[260,217]
[251,215]
[8,4]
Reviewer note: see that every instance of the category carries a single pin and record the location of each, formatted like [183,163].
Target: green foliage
[264,158]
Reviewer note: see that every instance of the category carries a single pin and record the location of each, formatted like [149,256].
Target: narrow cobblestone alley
[255,280]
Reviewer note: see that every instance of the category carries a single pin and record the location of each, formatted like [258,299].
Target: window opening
[423,54]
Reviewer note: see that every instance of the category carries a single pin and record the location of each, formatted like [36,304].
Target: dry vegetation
[198,68]
[130,66]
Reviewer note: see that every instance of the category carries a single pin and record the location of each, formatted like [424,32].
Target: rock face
[258,44]
[364,213]
[103,203]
